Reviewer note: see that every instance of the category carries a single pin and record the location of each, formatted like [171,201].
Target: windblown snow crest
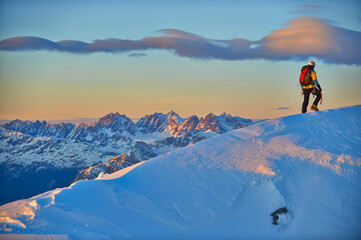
[225,187]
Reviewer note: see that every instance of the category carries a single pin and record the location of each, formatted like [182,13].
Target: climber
[309,83]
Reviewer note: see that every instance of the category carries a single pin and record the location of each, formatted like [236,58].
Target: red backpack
[305,77]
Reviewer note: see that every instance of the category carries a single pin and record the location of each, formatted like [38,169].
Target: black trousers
[306,98]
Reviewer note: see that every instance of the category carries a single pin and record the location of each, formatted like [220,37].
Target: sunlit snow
[222,188]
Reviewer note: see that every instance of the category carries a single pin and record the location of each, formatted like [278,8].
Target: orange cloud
[311,36]
[305,35]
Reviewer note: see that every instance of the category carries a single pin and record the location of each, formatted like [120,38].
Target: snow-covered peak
[174,122]
[228,122]
[225,115]
[229,118]
[152,123]
[173,115]
[110,119]
[116,122]
[210,123]
[190,124]
[159,122]
[226,187]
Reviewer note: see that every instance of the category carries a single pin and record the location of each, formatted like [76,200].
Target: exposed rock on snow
[276,215]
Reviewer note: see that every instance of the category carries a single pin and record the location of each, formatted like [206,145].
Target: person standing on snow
[309,83]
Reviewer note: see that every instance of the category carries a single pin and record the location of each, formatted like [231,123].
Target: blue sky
[56,85]
[89,20]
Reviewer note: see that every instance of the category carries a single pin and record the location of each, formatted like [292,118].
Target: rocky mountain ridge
[86,150]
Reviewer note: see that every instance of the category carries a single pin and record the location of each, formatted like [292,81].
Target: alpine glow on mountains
[225,187]
[38,156]
[174,174]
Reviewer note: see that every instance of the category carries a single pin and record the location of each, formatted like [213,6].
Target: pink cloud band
[302,38]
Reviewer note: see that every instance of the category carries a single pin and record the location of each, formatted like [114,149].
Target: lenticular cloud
[302,37]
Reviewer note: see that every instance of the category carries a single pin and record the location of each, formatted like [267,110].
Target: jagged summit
[210,123]
[152,123]
[227,187]
[173,115]
[222,123]
[110,119]
[190,124]
[116,123]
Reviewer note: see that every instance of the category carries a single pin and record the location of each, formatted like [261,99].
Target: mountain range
[295,177]
[55,155]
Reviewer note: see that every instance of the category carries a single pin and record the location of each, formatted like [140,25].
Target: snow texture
[223,188]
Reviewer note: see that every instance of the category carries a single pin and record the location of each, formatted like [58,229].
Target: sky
[191,57]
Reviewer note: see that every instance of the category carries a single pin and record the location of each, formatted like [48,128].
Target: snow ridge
[226,187]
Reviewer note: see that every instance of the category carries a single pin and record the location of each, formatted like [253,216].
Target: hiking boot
[314,108]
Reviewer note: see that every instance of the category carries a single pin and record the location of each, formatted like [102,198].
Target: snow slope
[222,188]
